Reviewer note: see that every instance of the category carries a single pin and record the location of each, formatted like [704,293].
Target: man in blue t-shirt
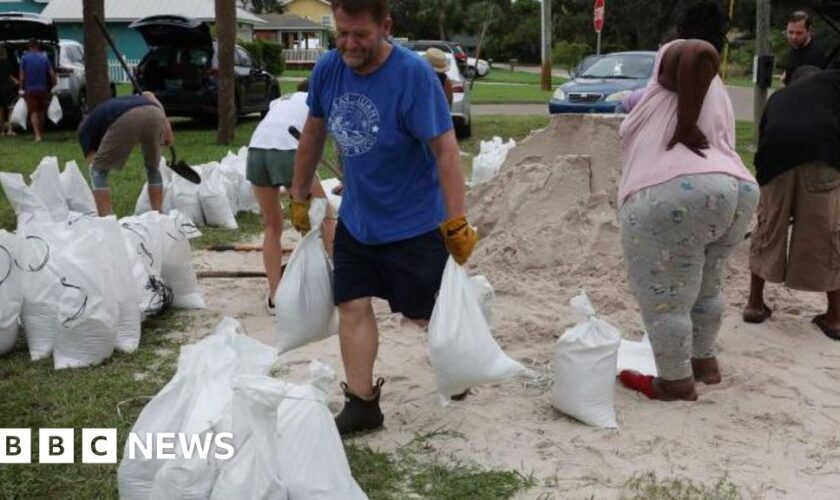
[111,131]
[36,79]
[403,209]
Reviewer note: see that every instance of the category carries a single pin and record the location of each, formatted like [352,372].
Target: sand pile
[549,229]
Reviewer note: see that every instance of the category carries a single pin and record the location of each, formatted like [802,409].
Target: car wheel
[470,72]
[463,130]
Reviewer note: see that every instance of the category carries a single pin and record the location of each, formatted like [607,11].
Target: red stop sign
[599,15]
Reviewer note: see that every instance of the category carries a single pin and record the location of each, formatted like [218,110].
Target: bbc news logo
[99,446]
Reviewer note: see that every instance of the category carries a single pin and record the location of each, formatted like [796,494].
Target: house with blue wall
[67,15]
[35,6]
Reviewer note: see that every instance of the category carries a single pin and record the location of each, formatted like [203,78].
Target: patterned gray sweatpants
[676,237]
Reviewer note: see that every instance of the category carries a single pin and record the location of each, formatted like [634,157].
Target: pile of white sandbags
[51,193]
[78,286]
[224,191]
[283,438]
[491,156]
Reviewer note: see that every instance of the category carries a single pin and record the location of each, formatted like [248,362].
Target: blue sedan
[601,86]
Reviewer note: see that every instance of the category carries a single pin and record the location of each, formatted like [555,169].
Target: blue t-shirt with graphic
[36,71]
[381,124]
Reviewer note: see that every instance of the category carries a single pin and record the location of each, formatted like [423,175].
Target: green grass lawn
[492,93]
[499,74]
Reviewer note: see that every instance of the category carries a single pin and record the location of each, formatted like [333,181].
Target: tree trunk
[98,88]
[442,23]
[226,38]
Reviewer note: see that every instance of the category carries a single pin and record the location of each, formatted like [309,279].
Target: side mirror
[573,74]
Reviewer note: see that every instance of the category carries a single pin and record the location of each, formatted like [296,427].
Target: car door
[248,86]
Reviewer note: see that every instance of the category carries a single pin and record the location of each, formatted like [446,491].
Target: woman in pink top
[685,201]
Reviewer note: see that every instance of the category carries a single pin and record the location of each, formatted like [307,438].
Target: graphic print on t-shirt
[354,124]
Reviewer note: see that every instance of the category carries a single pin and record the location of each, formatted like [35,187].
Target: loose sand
[549,230]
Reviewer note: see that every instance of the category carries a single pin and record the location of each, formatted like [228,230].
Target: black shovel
[179,167]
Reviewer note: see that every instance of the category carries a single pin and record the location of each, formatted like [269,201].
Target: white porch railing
[116,73]
[302,55]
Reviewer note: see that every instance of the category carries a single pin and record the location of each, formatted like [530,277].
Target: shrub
[266,54]
[568,54]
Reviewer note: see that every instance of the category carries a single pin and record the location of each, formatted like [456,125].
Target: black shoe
[359,415]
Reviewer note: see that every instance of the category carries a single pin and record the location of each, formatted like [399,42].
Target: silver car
[461,87]
[66,57]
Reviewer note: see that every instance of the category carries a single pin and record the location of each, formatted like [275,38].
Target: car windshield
[626,66]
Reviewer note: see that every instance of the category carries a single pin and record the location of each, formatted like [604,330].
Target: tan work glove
[300,215]
[460,238]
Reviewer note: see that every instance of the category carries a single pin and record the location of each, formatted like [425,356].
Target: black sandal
[819,320]
[758,318]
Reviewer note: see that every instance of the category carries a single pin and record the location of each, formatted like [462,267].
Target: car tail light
[64,71]
[458,87]
[211,72]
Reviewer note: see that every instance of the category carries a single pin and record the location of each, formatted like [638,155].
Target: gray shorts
[270,167]
[142,125]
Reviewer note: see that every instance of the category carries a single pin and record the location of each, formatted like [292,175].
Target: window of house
[326,20]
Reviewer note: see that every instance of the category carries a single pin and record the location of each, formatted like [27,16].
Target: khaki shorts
[270,167]
[142,125]
[810,193]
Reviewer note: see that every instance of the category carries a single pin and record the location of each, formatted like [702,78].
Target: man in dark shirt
[804,51]
[798,168]
[110,132]
[36,79]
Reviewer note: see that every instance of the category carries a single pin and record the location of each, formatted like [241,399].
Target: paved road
[742,102]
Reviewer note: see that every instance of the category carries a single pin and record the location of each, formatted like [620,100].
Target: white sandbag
[46,184]
[185,199]
[54,112]
[42,288]
[311,457]
[20,114]
[247,201]
[144,244]
[185,479]
[585,368]
[462,349]
[11,291]
[491,156]
[636,356]
[177,268]
[119,280]
[252,472]
[486,295]
[215,203]
[194,401]
[143,205]
[21,196]
[304,308]
[76,190]
[88,308]
[334,199]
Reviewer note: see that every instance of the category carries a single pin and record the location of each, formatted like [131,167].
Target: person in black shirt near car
[804,51]
[798,168]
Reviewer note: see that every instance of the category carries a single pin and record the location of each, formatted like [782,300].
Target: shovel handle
[117,53]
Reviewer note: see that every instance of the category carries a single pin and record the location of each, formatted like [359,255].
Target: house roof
[131,10]
[288,22]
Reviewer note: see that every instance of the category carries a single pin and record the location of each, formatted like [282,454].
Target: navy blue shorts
[406,273]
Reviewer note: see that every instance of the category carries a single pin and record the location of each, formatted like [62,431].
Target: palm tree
[226,39]
[98,88]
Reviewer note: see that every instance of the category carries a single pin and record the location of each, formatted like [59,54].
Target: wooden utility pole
[545,81]
[762,48]
[98,89]
[226,40]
